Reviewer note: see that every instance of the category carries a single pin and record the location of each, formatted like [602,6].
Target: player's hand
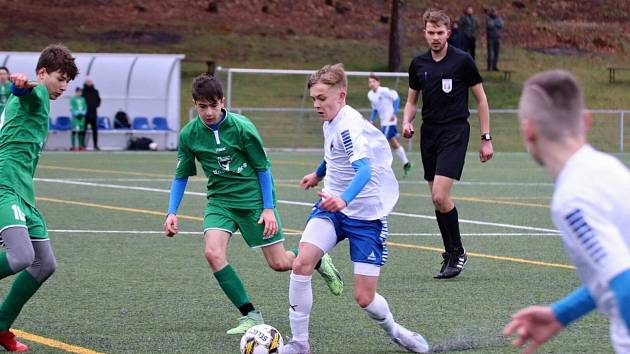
[485,151]
[330,203]
[310,180]
[21,81]
[171,226]
[392,118]
[268,218]
[408,130]
[535,324]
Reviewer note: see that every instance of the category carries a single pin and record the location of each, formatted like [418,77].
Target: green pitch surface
[121,286]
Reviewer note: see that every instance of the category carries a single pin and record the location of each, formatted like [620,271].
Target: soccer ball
[261,339]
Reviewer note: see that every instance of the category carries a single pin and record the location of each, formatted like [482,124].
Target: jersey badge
[447,85]
[224,161]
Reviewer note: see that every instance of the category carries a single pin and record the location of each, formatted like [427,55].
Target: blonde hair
[437,17]
[554,101]
[331,75]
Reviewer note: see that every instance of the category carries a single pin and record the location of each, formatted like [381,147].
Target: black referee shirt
[444,85]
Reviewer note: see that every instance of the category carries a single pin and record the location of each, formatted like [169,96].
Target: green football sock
[232,285]
[295,251]
[73,139]
[21,291]
[5,268]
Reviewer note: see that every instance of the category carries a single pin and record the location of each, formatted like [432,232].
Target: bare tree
[394,38]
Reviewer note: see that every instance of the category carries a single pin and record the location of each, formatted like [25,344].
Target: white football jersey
[591,208]
[347,138]
[383,102]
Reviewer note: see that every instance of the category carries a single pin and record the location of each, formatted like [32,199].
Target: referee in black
[443,75]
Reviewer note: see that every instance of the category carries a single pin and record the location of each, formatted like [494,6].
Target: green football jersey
[5,92]
[23,131]
[230,157]
[78,106]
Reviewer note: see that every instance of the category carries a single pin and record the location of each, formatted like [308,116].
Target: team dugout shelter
[145,86]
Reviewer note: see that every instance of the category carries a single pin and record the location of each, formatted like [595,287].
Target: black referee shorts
[443,148]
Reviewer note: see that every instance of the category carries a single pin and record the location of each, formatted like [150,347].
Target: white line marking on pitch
[296,181]
[289,202]
[465,183]
[154,232]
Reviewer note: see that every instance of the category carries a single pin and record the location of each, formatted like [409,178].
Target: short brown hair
[437,17]
[331,75]
[554,101]
[57,57]
[373,76]
[207,87]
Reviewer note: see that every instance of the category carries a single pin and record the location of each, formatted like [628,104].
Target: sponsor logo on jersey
[224,161]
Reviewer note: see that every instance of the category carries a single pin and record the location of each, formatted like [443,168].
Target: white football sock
[378,310]
[400,152]
[301,303]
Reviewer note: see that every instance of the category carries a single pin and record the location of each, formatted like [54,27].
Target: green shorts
[246,220]
[78,124]
[14,211]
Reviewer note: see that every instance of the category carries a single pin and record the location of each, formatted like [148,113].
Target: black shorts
[443,148]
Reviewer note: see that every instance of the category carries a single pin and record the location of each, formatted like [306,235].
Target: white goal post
[278,102]
[231,71]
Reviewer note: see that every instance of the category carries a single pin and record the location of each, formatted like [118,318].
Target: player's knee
[363,298]
[302,266]
[214,257]
[48,267]
[20,259]
[279,265]
[440,200]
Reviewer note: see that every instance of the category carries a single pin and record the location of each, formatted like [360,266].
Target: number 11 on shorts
[17,212]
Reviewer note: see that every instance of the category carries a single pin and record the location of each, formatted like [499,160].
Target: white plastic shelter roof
[145,85]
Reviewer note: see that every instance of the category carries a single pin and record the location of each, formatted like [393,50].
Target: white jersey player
[360,190]
[385,103]
[590,207]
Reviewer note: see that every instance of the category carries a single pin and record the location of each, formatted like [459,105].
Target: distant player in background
[360,190]
[78,109]
[590,207]
[5,87]
[23,131]
[385,103]
[241,195]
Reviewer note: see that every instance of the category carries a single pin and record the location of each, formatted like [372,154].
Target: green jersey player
[78,109]
[241,195]
[4,87]
[23,130]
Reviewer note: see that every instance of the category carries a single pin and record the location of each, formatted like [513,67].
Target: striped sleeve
[354,144]
[592,237]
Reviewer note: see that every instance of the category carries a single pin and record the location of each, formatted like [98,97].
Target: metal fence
[300,128]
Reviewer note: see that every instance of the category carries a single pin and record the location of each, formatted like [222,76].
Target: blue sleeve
[178,187]
[373,115]
[575,305]
[20,91]
[361,178]
[320,171]
[396,105]
[620,286]
[266,187]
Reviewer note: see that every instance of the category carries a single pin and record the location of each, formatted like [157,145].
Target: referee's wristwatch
[486,136]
